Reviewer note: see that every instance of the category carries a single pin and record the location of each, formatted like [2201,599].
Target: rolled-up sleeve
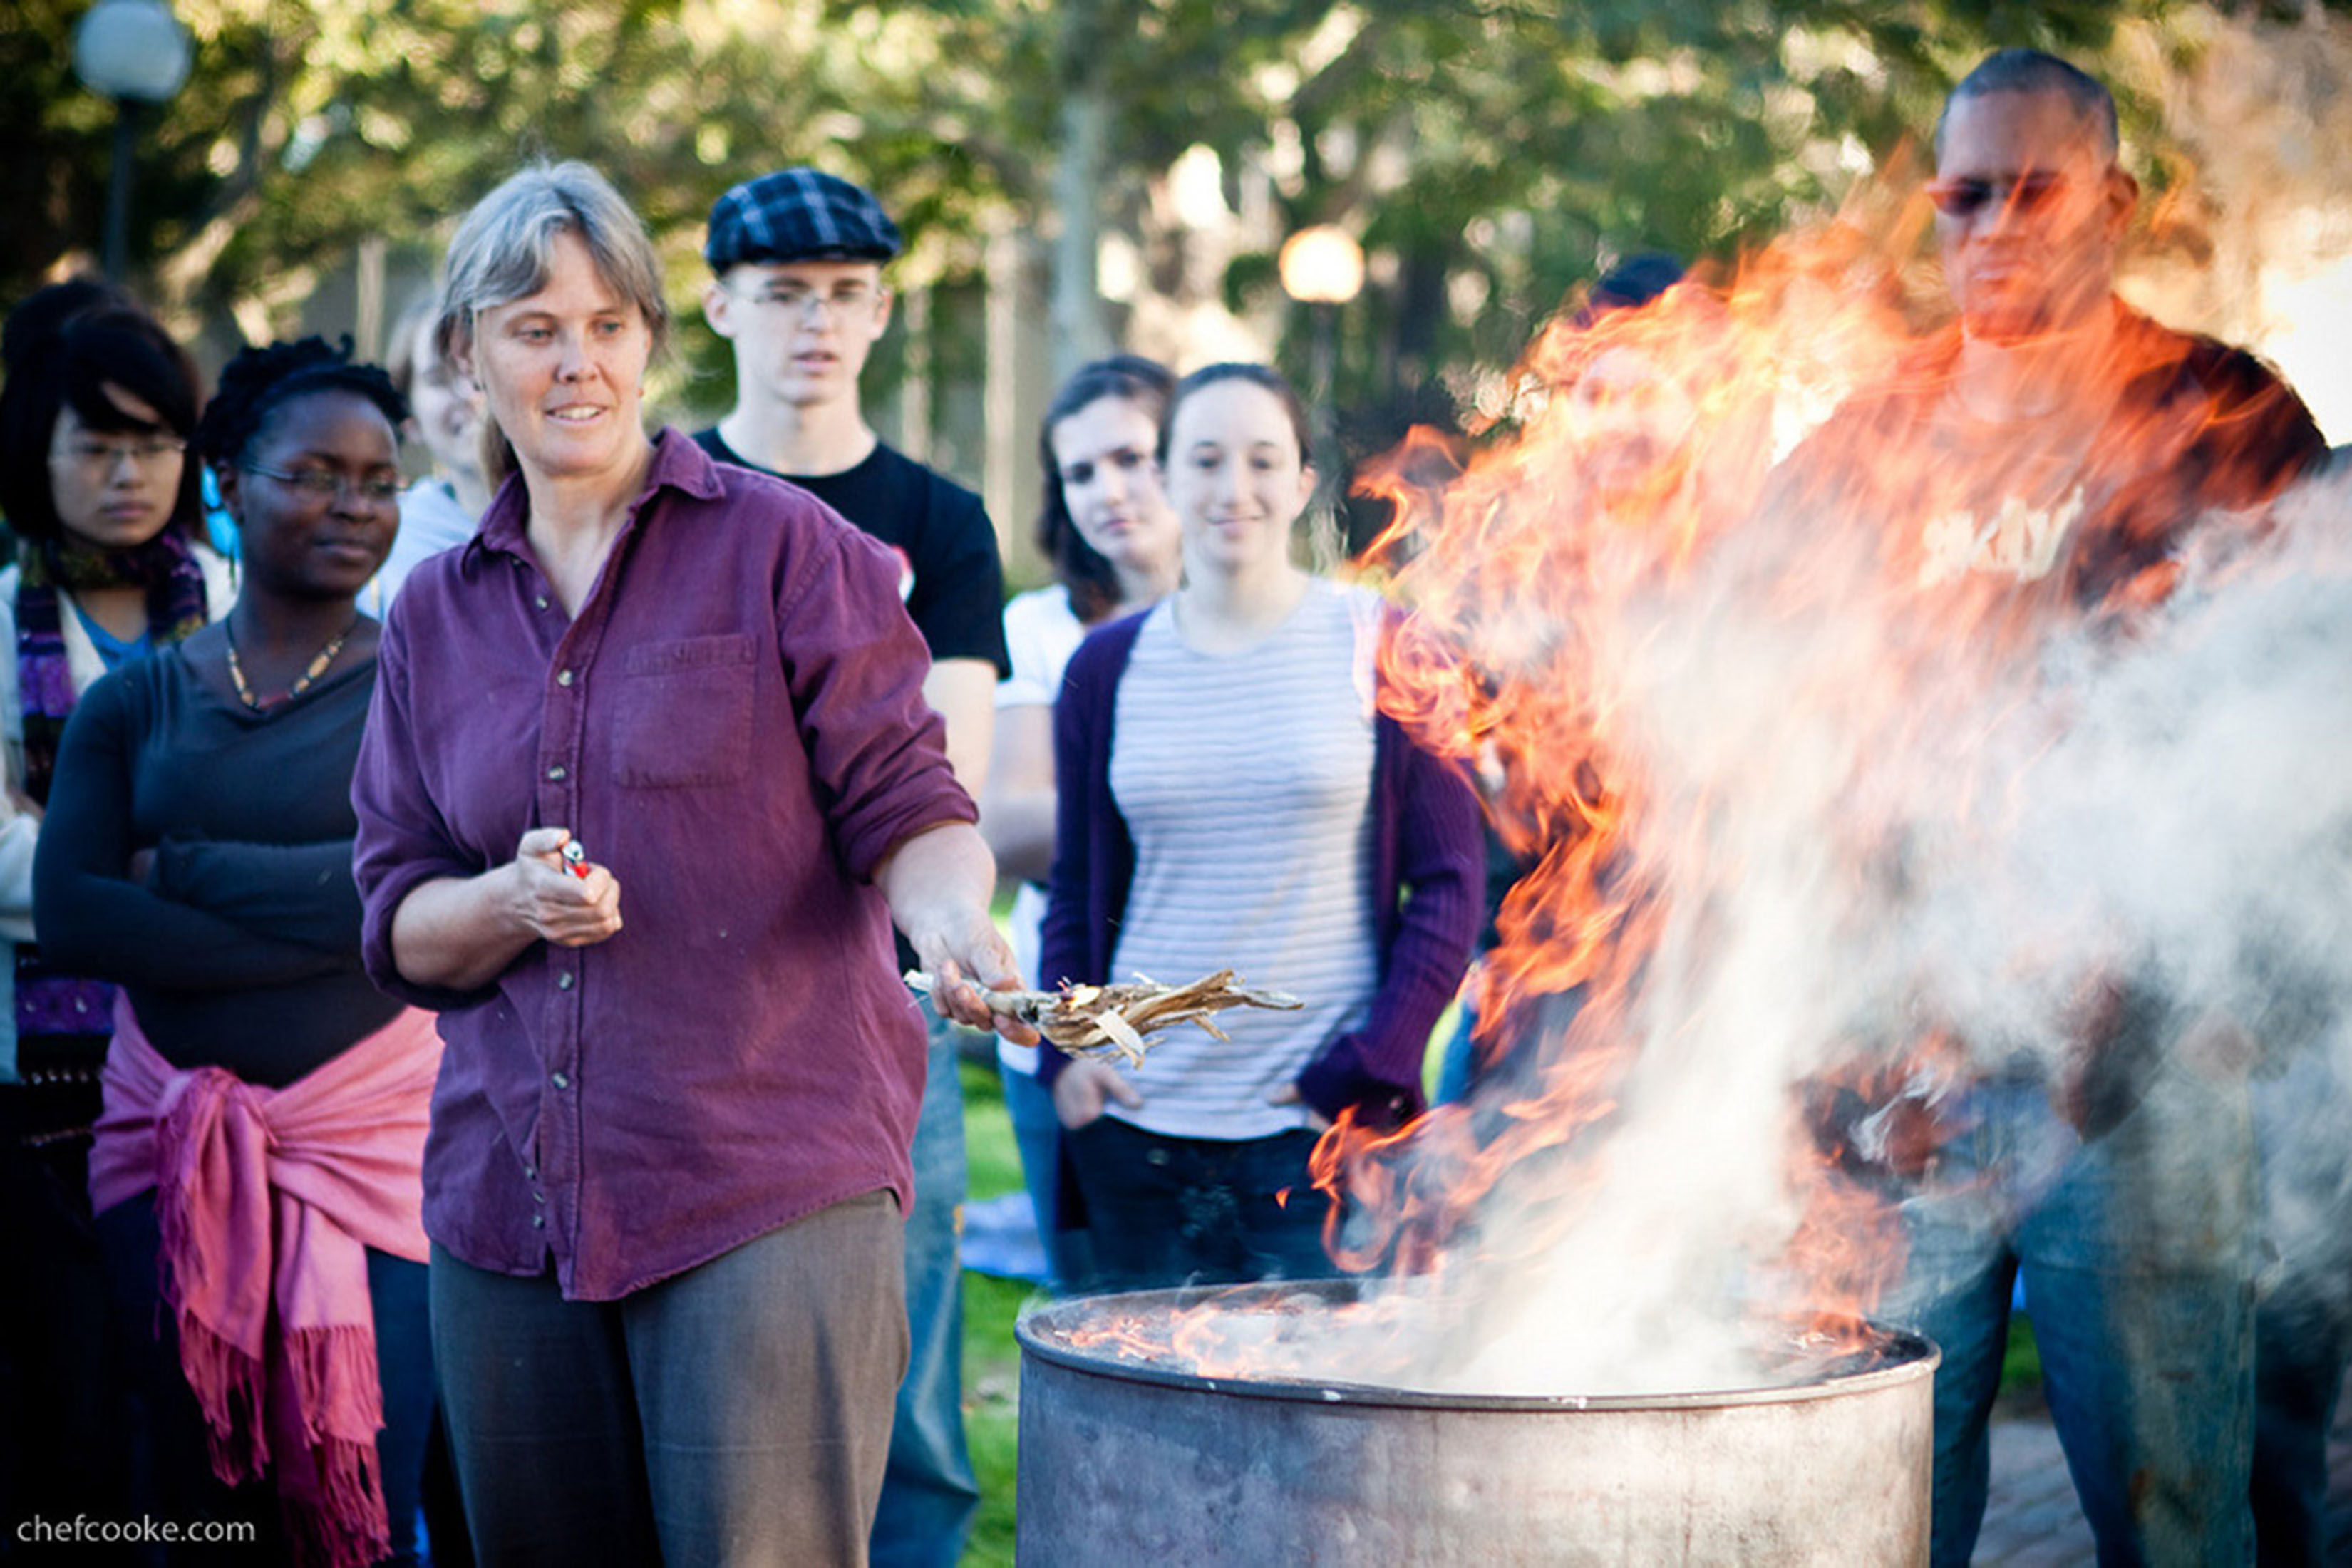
[403,842]
[855,664]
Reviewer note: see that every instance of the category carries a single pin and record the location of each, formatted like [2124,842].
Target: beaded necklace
[317,667]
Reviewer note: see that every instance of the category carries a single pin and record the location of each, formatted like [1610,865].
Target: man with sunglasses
[2044,463]
[797,289]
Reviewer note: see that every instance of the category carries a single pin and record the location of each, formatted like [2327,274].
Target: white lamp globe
[132,49]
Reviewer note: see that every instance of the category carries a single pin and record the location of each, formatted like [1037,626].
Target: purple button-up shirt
[735,725]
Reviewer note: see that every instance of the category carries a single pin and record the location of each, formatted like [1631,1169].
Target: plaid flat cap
[798,215]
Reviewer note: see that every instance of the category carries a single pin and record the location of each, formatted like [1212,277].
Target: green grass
[991,1361]
[2020,1362]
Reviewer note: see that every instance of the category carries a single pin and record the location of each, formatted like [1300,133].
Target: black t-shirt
[952,579]
[243,949]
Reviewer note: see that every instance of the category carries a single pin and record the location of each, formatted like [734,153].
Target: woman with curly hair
[265,1105]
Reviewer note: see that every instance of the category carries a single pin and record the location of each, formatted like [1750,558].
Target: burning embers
[1274,1335]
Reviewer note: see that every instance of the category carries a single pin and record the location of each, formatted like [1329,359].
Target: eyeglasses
[320,484]
[101,457]
[2025,194]
[800,299]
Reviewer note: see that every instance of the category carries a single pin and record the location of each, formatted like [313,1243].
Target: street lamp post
[135,52]
[1322,268]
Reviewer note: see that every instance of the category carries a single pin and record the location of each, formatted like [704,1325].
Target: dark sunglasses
[1966,198]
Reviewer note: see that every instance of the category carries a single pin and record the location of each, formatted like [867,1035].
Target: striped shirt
[1245,782]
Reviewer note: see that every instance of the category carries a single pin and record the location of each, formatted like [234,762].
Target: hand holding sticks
[1118,1019]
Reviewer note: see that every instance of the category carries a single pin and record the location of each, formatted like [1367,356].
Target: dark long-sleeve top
[1425,843]
[734,723]
[241,948]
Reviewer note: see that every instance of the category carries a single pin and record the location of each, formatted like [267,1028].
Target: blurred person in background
[2039,467]
[1112,538]
[797,289]
[1229,796]
[257,1172]
[668,1167]
[95,419]
[438,512]
[1633,426]
[2302,1322]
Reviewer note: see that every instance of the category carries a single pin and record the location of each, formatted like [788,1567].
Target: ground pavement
[2032,1519]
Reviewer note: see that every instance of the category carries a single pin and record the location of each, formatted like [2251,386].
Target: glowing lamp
[1321,265]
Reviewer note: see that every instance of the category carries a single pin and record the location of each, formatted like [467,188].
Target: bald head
[2032,71]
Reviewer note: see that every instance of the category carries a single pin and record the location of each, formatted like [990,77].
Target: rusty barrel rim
[1903,1357]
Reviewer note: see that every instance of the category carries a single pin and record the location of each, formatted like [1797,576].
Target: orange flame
[1544,577]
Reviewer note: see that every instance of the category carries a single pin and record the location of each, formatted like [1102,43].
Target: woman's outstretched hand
[966,959]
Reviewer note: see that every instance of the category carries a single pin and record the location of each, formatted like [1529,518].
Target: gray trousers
[736,1413]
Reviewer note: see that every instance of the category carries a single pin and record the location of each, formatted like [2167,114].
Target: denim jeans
[1044,1169]
[2137,1250]
[929,1492]
[1173,1211]
[172,1473]
[2303,1328]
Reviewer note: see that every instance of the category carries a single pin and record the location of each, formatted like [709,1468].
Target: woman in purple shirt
[669,1141]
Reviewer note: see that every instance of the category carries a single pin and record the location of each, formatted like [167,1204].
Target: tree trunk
[1080,332]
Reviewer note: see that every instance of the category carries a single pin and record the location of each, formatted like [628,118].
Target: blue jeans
[1175,1211]
[929,1492]
[1037,1133]
[2303,1328]
[2137,1250]
[171,1472]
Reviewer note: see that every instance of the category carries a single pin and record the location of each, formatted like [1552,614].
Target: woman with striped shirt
[1229,796]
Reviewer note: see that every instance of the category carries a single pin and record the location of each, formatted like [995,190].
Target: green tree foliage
[1492,154]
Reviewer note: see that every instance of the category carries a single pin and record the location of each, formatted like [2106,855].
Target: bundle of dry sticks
[1119,1020]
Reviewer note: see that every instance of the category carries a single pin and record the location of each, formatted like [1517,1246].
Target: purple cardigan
[1425,839]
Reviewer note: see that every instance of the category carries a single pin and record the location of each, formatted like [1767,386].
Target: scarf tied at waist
[268,1201]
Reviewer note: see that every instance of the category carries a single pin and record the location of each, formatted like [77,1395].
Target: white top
[1246,781]
[431,521]
[1041,633]
[20,831]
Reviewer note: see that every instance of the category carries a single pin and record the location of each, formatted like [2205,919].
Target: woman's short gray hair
[503,250]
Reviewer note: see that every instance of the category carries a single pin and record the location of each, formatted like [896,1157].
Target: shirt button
[556,771]
[564,980]
[537,1197]
[563,678]
[539,1222]
[541,600]
[561,1080]
[529,1173]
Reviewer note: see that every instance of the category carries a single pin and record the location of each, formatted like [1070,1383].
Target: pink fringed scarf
[268,1200]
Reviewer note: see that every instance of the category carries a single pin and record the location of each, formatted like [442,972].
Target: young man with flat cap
[797,287]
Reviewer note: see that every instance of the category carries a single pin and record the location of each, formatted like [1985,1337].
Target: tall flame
[1729,714]
[1808,732]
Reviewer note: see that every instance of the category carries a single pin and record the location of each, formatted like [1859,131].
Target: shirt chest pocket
[682,713]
